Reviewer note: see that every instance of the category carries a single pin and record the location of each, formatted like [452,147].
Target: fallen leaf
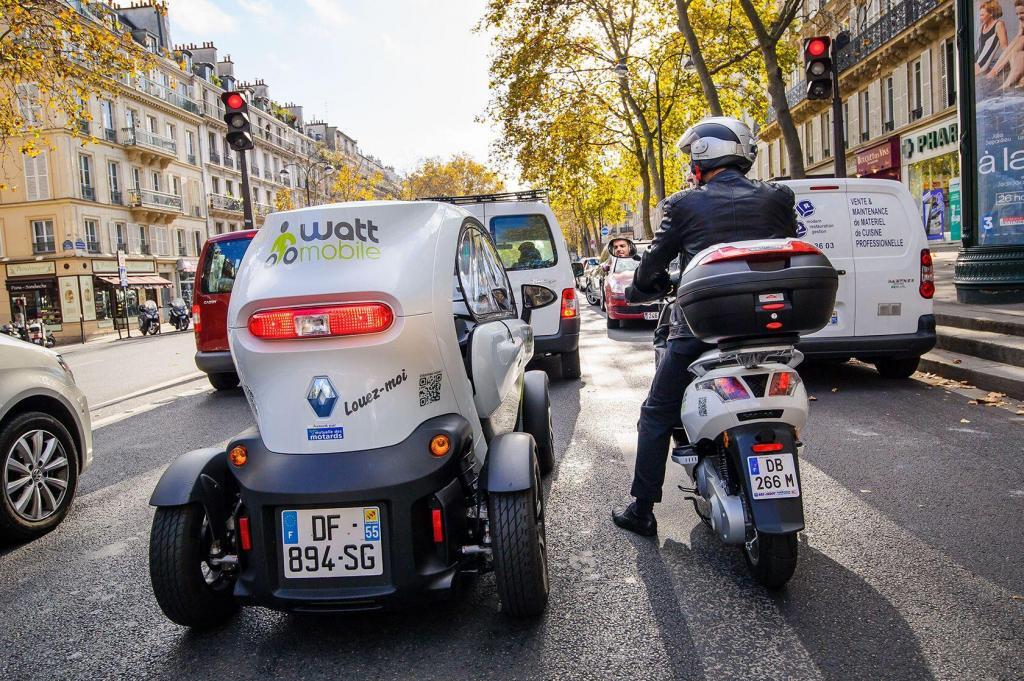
[865,491]
[812,398]
[958,361]
[1020,412]
[1017,598]
[964,421]
[835,390]
[972,402]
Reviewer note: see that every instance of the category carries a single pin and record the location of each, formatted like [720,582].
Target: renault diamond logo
[322,396]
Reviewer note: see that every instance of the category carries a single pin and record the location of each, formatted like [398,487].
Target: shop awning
[141,280]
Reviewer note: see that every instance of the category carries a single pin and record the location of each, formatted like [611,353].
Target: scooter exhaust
[727,517]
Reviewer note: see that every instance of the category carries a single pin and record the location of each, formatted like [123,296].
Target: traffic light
[236,115]
[818,67]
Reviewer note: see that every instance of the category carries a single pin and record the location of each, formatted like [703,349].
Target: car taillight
[353,319]
[927,287]
[195,318]
[728,388]
[791,248]
[783,383]
[570,305]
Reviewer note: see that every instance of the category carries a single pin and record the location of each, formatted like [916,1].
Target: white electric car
[399,440]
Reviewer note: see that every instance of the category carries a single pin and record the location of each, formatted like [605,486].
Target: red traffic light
[816,47]
[234,101]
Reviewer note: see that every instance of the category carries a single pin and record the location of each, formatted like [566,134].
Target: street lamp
[307,169]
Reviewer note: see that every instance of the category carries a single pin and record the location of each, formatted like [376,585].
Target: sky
[406,78]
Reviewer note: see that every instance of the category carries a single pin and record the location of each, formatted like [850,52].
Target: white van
[533,250]
[871,231]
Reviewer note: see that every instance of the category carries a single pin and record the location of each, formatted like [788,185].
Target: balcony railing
[254,171]
[110,134]
[88,192]
[145,249]
[228,161]
[44,246]
[148,198]
[263,208]
[83,127]
[145,138]
[92,246]
[165,93]
[116,197]
[267,175]
[191,159]
[228,203]
[213,109]
[214,157]
[888,26]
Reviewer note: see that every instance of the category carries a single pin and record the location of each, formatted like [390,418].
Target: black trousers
[660,414]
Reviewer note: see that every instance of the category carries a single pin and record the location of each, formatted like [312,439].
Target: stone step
[982,373]
[993,321]
[998,347]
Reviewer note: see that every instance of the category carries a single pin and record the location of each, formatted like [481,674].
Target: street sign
[122,268]
[80,245]
[605,231]
[68,245]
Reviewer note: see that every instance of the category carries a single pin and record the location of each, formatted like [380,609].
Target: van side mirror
[534,297]
[577,269]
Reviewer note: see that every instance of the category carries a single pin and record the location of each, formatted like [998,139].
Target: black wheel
[614,323]
[225,381]
[897,368]
[519,546]
[571,364]
[38,475]
[771,558]
[191,591]
[537,418]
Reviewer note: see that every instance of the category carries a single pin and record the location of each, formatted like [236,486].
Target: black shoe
[637,521]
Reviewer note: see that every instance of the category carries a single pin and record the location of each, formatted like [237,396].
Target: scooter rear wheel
[771,558]
[191,591]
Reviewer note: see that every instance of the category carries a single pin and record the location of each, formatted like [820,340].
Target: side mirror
[605,267]
[577,269]
[534,297]
[637,257]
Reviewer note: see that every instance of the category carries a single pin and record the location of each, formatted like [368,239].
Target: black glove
[662,286]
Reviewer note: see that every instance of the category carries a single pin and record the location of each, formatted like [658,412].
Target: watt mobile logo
[330,241]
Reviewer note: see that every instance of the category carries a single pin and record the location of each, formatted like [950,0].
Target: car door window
[482,278]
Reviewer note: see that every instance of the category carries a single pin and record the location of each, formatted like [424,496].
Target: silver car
[45,439]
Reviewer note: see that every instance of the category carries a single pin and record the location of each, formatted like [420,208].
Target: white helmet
[717,142]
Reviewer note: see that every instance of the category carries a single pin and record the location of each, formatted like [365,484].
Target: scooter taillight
[783,383]
[728,388]
[353,319]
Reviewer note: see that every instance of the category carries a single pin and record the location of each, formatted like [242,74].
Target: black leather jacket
[728,208]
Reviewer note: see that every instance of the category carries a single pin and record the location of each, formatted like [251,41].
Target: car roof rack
[525,195]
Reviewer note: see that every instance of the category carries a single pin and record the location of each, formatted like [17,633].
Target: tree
[768,37]
[460,175]
[351,183]
[283,200]
[52,59]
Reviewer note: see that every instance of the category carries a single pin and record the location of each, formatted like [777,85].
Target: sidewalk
[112,337]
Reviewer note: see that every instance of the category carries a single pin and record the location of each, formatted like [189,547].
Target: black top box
[758,290]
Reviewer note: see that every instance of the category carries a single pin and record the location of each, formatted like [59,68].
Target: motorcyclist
[724,206]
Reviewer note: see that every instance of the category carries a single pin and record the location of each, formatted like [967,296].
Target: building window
[143,240]
[182,244]
[92,236]
[215,185]
[151,43]
[782,158]
[846,122]
[42,237]
[826,134]
[151,124]
[949,73]
[888,104]
[28,103]
[114,178]
[916,94]
[107,116]
[198,238]
[136,179]
[865,115]
[37,181]
[229,188]
[120,237]
[85,177]
[169,131]
[176,186]
[219,227]
[155,177]
[190,147]
[809,141]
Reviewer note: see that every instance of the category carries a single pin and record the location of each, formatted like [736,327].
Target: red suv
[215,276]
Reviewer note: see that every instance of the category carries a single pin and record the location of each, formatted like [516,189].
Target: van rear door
[887,242]
[215,276]
[823,219]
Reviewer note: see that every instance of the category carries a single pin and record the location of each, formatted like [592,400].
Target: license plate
[651,316]
[773,476]
[332,542]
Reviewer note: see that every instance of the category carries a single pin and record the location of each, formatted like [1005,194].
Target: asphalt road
[910,566]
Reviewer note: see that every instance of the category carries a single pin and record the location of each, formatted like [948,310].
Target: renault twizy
[399,443]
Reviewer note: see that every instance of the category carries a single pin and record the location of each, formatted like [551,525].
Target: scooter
[38,334]
[179,314]
[13,330]
[743,412]
[149,318]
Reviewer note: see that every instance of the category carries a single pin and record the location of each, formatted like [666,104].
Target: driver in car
[620,248]
[724,206]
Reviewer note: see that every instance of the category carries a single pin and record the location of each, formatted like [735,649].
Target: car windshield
[221,265]
[524,241]
[625,265]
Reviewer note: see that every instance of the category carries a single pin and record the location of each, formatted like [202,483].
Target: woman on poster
[1013,56]
[992,38]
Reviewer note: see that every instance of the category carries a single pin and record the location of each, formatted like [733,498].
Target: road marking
[135,411]
[181,380]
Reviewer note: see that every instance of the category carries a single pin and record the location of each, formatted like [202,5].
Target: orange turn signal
[440,444]
[238,456]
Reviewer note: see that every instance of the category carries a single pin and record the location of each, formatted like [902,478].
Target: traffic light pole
[246,192]
[838,124]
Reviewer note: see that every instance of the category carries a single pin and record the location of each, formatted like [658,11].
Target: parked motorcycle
[38,334]
[179,315]
[742,414]
[149,318]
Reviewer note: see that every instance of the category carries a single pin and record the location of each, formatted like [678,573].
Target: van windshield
[524,241]
[221,265]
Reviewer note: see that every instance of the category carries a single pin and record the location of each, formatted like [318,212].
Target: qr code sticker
[430,388]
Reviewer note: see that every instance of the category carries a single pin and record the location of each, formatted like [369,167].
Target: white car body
[872,233]
[396,258]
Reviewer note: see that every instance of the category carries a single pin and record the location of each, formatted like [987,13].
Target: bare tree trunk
[768,42]
[706,82]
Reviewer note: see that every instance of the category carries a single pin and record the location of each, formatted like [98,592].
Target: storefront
[186,270]
[931,161]
[881,161]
